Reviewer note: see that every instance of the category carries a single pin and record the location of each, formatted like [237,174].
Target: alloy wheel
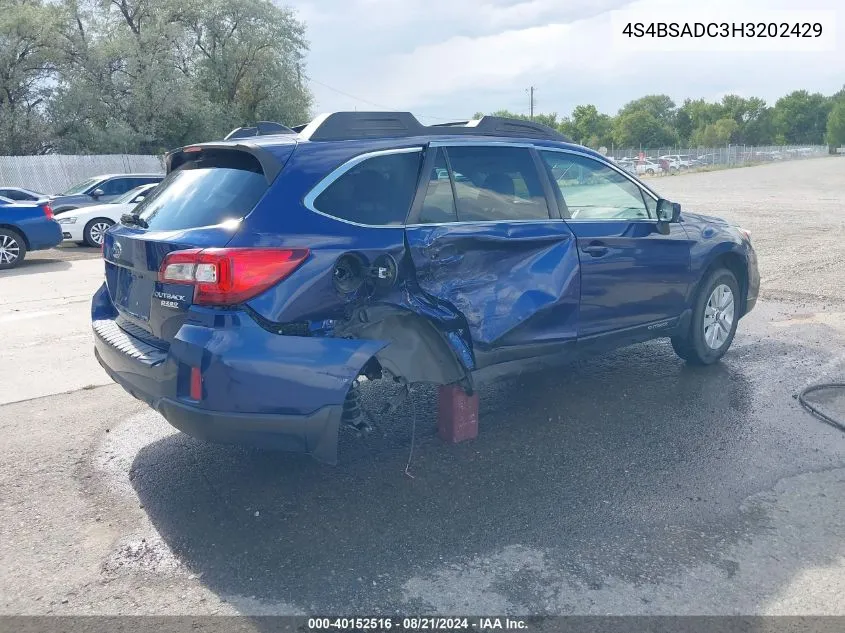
[10,250]
[718,316]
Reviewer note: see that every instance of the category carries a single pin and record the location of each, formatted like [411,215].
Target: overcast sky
[450,58]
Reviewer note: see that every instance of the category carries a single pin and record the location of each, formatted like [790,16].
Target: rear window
[209,190]
[378,190]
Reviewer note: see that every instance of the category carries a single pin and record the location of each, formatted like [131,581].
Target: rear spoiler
[270,165]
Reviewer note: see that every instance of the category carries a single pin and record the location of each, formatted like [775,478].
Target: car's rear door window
[439,203]
[211,189]
[372,190]
[496,183]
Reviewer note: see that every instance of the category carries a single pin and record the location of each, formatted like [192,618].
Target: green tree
[660,107]
[148,75]
[801,117]
[695,115]
[590,127]
[641,128]
[749,115]
[836,125]
[27,62]
[716,134]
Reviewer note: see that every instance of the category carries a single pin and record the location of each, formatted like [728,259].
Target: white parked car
[648,168]
[680,161]
[87,225]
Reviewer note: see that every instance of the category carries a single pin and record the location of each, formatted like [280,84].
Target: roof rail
[262,128]
[343,126]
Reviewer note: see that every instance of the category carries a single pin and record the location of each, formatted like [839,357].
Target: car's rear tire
[94,230]
[12,248]
[715,316]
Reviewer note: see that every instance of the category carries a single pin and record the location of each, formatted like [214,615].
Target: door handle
[595,249]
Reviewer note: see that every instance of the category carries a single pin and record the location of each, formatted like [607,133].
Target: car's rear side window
[211,189]
[378,190]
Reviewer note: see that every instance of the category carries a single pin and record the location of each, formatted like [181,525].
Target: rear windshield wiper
[131,219]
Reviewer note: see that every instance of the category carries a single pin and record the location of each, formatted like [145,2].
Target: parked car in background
[249,294]
[19,194]
[680,162]
[99,190]
[25,226]
[87,225]
[627,163]
[709,159]
[647,167]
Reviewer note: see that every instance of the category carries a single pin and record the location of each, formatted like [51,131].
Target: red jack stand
[457,414]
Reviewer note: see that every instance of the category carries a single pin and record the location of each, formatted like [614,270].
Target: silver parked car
[99,190]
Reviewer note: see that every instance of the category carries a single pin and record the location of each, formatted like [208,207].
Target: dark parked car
[19,194]
[249,293]
[25,226]
[99,190]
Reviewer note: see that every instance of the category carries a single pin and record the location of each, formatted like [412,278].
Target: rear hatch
[208,192]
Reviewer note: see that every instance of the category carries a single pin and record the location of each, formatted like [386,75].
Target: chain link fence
[670,160]
[56,173]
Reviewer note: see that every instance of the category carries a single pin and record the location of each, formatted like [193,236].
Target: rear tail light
[48,211]
[228,276]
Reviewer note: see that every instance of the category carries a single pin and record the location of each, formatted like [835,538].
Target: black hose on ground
[814,411]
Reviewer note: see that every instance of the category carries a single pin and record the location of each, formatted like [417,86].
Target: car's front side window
[594,191]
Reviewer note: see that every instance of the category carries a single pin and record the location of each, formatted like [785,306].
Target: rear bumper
[315,433]
[45,234]
[258,388]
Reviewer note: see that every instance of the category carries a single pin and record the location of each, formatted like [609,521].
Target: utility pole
[530,92]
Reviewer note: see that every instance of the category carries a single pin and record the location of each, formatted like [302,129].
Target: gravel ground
[628,484]
[795,212]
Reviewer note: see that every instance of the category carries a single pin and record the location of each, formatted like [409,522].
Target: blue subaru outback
[250,293]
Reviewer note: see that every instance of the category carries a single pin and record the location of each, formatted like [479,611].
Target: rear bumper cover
[259,389]
[315,433]
[44,234]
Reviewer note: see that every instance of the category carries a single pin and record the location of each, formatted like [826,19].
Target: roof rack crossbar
[261,128]
[343,126]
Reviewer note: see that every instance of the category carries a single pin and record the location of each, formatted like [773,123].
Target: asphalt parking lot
[627,484]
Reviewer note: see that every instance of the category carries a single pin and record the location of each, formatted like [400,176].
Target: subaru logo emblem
[116,250]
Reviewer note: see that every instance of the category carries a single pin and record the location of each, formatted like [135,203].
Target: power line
[381,106]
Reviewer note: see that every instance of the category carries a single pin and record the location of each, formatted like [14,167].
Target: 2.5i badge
[170,300]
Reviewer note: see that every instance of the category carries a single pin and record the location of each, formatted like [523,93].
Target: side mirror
[139,199]
[97,193]
[668,211]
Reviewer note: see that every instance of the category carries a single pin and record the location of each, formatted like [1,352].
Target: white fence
[56,173]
